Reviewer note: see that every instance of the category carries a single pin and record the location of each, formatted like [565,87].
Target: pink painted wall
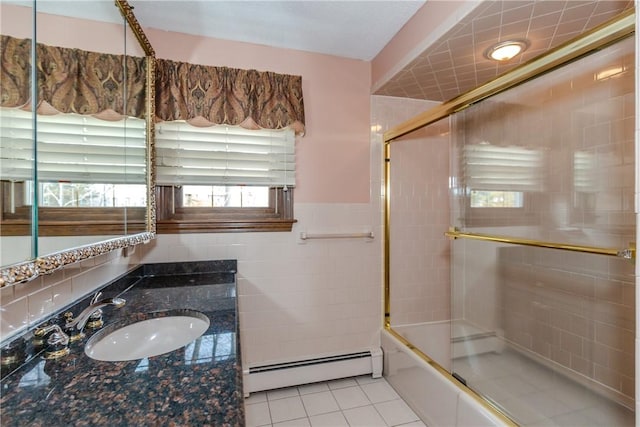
[333,157]
[85,34]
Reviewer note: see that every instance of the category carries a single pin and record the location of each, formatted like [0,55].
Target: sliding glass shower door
[547,334]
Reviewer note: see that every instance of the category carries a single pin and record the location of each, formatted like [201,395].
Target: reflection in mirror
[89,186]
[91,155]
[15,199]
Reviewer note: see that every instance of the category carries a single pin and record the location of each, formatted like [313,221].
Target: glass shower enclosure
[510,223]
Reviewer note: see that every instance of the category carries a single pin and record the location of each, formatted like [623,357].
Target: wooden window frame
[173,218]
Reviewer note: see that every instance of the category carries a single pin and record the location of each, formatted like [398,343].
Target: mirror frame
[47,264]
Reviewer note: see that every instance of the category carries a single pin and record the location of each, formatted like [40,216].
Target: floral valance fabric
[220,95]
[83,82]
[72,80]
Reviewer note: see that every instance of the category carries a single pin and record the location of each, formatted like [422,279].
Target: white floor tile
[340,403]
[281,393]
[333,419]
[396,412]
[414,424]
[257,414]
[256,398]
[365,416]
[312,388]
[288,408]
[320,403]
[342,383]
[350,397]
[302,422]
[368,379]
[379,392]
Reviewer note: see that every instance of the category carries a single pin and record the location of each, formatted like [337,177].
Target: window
[70,195]
[219,196]
[500,181]
[496,199]
[223,178]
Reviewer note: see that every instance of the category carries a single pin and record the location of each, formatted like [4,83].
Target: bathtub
[417,364]
[444,340]
[426,385]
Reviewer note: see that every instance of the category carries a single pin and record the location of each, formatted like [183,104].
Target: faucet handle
[74,334]
[95,320]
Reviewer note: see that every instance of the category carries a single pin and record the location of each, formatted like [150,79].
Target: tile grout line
[357,385]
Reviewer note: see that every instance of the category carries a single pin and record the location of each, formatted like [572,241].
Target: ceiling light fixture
[506,50]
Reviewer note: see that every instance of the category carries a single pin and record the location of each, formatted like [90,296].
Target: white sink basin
[147,338]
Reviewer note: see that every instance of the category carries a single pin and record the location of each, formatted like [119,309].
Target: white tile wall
[298,298]
[26,305]
[420,254]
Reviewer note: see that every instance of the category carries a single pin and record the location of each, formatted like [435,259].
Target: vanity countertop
[197,385]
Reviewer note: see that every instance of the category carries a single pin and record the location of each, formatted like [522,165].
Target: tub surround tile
[194,385]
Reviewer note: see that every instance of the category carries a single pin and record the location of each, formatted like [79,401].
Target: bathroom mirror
[85,188]
[16,20]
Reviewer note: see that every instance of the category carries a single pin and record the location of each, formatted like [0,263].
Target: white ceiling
[360,29]
[355,29]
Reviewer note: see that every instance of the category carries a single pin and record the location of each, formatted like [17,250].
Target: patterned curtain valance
[221,95]
[72,80]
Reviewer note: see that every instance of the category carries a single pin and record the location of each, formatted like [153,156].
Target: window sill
[223,225]
[70,228]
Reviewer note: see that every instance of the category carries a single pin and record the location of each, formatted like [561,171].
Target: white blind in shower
[498,168]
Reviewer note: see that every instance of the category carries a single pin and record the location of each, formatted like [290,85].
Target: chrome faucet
[82,319]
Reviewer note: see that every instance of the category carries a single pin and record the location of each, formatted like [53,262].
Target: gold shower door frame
[604,35]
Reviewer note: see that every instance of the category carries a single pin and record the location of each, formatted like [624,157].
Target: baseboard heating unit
[325,368]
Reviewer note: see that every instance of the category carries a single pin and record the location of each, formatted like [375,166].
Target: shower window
[487,199]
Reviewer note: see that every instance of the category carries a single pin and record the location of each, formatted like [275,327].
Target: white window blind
[491,167]
[584,166]
[223,155]
[72,148]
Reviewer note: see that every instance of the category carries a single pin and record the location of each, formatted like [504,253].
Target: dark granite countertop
[197,385]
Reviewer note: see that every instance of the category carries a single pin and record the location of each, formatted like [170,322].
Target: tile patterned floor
[359,401]
[535,395]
